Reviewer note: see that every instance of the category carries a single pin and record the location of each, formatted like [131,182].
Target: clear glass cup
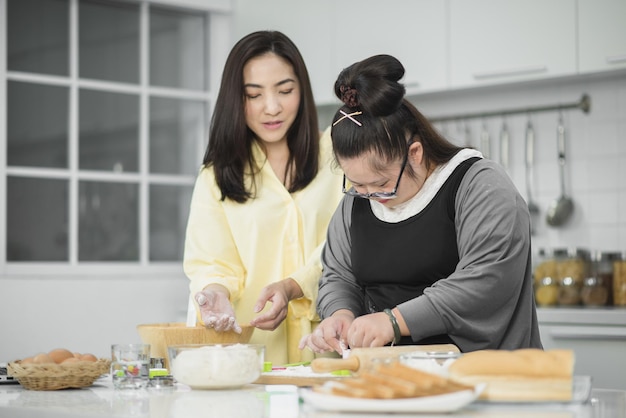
[130,365]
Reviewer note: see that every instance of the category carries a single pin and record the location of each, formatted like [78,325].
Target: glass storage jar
[572,267]
[598,287]
[547,292]
[619,281]
[594,292]
[545,266]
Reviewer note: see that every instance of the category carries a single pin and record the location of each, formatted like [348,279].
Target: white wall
[84,314]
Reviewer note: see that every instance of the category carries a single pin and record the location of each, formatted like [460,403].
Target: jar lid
[579,253]
[545,252]
[611,255]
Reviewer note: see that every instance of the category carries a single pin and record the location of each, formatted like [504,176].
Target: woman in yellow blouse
[262,200]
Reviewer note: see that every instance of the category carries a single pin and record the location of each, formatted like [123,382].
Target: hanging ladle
[485,142]
[533,208]
[560,210]
[504,145]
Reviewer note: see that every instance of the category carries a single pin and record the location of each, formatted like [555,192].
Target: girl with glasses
[431,242]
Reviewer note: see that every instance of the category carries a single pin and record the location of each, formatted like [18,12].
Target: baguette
[518,375]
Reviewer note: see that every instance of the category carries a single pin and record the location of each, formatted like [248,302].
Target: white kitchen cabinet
[309,24]
[601,35]
[414,31]
[216,5]
[333,35]
[597,337]
[494,41]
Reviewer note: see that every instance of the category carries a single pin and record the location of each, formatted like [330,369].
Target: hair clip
[349,116]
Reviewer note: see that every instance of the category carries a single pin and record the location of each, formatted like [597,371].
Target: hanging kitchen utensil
[485,143]
[561,208]
[533,208]
[469,142]
[459,130]
[504,145]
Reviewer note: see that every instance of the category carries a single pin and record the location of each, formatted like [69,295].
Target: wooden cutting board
[360,358]
[319,371]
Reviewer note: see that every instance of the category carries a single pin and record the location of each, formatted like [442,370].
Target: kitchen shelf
[609,316]
[583,104]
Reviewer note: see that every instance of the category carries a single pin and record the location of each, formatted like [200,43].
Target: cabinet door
[307,23]
[414,31]
[598,350]
[602,35]
[494,41]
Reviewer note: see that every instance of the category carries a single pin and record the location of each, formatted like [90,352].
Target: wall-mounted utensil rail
[583,104]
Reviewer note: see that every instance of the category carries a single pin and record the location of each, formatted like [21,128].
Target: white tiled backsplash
[595,153]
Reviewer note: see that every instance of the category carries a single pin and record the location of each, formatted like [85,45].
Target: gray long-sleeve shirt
[487,302]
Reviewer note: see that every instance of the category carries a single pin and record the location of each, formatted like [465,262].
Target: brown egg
[27,360]
[58,355]
[71,360]
[77,354]
[42,358]
[88,357]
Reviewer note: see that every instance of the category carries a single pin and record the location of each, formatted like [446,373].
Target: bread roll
[518,375]
[529,362]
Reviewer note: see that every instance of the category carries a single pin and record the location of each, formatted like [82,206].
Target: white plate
[440,403]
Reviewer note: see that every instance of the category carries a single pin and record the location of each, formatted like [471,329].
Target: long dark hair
[230,140]
[387,119]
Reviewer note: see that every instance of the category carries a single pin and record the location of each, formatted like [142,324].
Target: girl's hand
[372,330]
[279,294]
[216,310]
[330,333]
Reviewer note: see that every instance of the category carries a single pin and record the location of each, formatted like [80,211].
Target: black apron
[395,262]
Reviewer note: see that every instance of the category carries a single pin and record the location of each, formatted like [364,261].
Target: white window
[107,104]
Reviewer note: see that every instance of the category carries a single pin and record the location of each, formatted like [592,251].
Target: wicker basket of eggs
[58,369]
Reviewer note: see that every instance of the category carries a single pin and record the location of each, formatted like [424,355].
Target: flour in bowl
[217,366]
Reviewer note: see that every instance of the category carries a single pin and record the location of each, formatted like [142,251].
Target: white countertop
[252,401]
[580,315]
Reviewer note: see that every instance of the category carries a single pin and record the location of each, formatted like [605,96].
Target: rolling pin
[363,357]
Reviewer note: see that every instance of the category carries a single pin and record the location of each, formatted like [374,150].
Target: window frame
[219,20]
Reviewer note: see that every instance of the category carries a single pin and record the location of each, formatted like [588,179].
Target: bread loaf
[518,375]
[530,362]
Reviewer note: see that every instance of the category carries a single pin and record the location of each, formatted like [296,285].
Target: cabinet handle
[411,85]
[616,59]
[587,334]
[511,72]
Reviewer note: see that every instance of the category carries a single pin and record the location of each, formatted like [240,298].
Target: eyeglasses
[377,195]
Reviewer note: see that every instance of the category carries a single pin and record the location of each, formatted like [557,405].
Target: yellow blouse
[275,235]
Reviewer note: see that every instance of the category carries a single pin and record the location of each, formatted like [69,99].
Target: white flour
[217,366]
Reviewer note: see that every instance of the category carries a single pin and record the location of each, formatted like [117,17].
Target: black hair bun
[372,85]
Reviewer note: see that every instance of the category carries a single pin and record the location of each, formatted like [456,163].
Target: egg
[71,360]
[42,358]
[58,355]
[88,357]
[27,360]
